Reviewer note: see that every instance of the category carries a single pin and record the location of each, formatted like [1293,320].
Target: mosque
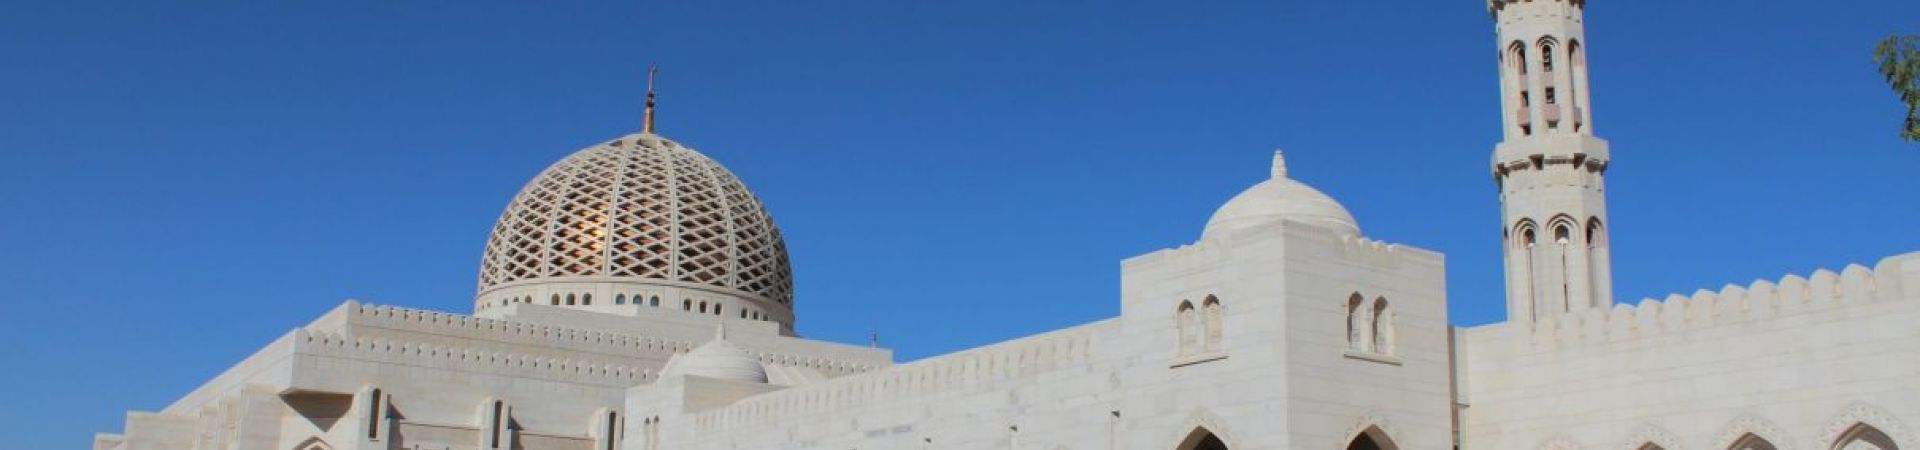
[637,296]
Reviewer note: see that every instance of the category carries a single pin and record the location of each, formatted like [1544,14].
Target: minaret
[1550,168]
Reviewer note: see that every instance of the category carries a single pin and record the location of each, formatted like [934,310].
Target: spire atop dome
[1279,165]
[652,70]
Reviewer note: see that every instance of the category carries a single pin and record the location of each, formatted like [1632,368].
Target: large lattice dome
[635,224]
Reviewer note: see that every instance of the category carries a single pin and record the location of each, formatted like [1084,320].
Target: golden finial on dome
[652,70]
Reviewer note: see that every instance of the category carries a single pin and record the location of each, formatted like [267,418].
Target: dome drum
[618,296]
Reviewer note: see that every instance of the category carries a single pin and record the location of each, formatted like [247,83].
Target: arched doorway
[1201,439]
[1372,439]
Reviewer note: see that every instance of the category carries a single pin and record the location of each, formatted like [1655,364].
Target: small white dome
[1279,199]
[718,359]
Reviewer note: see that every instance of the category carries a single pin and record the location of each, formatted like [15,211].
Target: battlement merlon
[1496,7]
[1894,279]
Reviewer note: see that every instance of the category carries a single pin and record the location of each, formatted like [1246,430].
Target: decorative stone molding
[1754,425]
[1859,413]
[1651,434]
[1559,442]
[313,443]
[1202,419]
[1368,420]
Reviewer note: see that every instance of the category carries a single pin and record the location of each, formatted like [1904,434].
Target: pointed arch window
[1215,322]
[1188,326]
[1382,326]
[1517,60]
[1201,331]
[1356,323]
[1370,329]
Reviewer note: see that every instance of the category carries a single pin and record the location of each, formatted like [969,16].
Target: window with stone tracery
[1370,325]
[1201,330]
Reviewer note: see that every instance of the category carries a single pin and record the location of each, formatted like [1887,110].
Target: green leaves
[1899,59]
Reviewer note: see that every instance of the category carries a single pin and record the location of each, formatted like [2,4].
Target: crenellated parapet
[468,359]
[615,345]
[1496,7]
[1378,253]
[940,377]
[477,328]
[1762,300]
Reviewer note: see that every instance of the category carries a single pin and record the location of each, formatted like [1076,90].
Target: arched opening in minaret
[1201,439]
[1527,279]
[1864,437]
[1372,439]
[1549,92]
[1563,275]
[1517,65]
[1577,90]
[1599,274]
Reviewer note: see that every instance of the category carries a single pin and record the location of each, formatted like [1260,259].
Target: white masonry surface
[636,296]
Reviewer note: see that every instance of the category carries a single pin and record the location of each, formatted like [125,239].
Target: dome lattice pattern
[639,207]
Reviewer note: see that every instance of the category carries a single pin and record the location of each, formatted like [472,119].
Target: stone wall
[1796,362]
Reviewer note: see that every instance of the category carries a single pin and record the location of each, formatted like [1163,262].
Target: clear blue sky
[183,183]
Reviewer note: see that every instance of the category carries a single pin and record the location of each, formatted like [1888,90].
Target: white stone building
[636,296]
